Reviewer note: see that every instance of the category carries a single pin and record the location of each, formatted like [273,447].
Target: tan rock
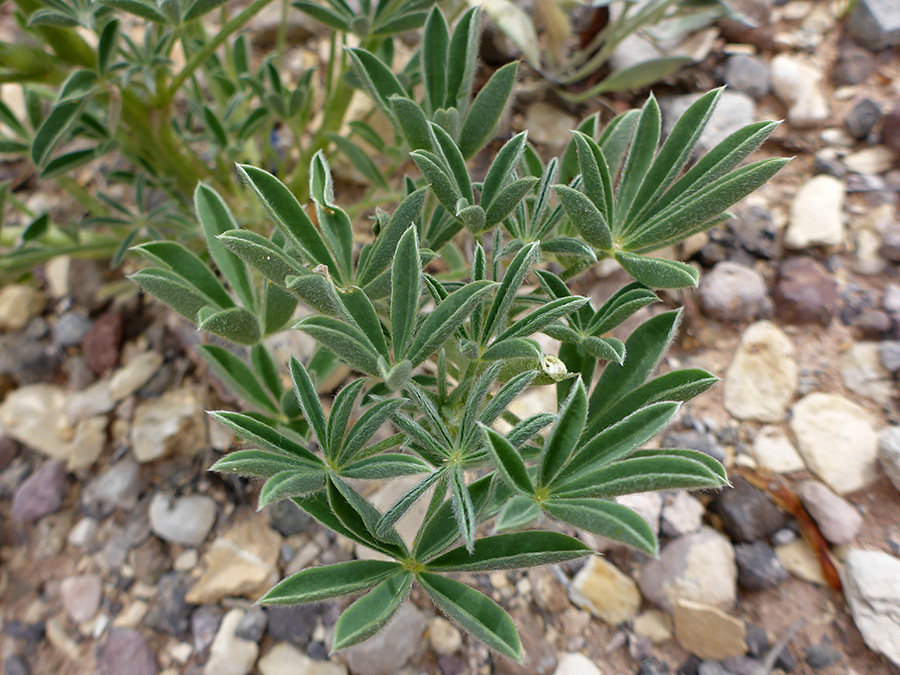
[708,632]
[774,451]
[605,591]
[762,378]
[285,659]
[35,415]
[174,422]
[655,625]
[799,560]
[18,305]
[239,563]
[229,654]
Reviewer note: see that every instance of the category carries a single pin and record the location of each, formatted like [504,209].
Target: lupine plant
[444,317]
[158,99]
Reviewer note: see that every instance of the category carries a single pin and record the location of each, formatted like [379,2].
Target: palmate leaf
[266,436]
[366,426]
[515,274]
[508,461]
[341,409]
[439,531]
[329,581]
[565,434]
[474,612]
[620,305]
[516,512]
[372,611]
[358,516]
[257,463]
[386,465]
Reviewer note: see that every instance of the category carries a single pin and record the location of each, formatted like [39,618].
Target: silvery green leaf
[260,253]
[658,272]
[256,463]
[502,167]
[235,324]
[376,77]
[484,114]
[442,184]
[638,161]
[384,466]
[310,404]
[412,122]
[406,285]
[606,349]
[508,199]
[515,274]
[565,434]
[372,611]
[462,57]
[266,437]
[216,219]
[619,306]
[315,584]
[435,45]
[291,483]
[586,217]
[172,289]
[475,613]
[508,461]
[511,551]
[607,519]
[189,267]
[517,512]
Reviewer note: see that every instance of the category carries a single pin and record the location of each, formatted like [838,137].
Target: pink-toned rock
[41,494]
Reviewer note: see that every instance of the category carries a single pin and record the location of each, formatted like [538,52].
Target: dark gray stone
[32,633]
[36,362]
[118,486]
[41,494]
[758,566]
[747,74]
[204,624]
[712,668]
[819,657]
[15,665]
[890,243]
[875,24]
[854,65]
[252,625]
[651,666]
[805,292]
[174,611]
[734,292]
[293,624]
[757,640]
[748,514]
[287,518]
[862,118]
[125,652]
[70,329]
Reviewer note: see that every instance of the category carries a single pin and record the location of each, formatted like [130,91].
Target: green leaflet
[286,211]
[511,551]
[435,45]
[620,439]
[509,286]
[236,324]
[517,512]
[187,266]
[637,162]
[53,129]
[261,434]
[508,461]
[257,463]
[502,167]
[474,612]
[309,402]
[406,284]
[565,434]
[172,289]
[376,77]
[365,616]
[291,483]
[261,254]
[586,217]
[329,581]
[446,318]
[387,465]
[482,118]
[239,377]
[216,219]
[412,122]
[607,519]
[348,342]
[658,272]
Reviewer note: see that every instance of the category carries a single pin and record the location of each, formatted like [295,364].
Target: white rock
[83,532]
[797,84]
[601,588]
[443,635]
[681,514]
[18,305]
[229,654]
[837,439]
[762,378]
[182,520]
[889,454]
[575,663]
[838,519]
[871,581]
[816,217]
[35,416]
[872,160]
[774,451]
[173,422]
[698,567]
[799,559]
[863,373]
[285,659]
[648,505]
[134,374]
[81,596]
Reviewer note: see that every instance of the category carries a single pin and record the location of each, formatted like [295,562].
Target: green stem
[200,57]
[83,197]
